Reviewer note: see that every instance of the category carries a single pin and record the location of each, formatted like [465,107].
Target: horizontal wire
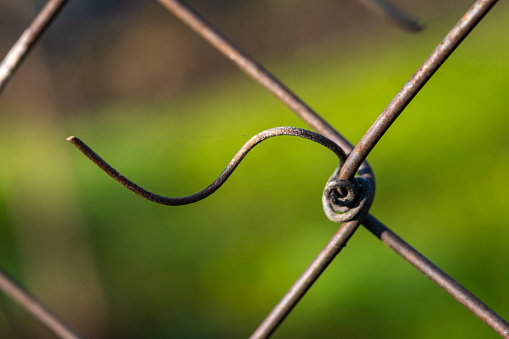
[27,40]
[258,138]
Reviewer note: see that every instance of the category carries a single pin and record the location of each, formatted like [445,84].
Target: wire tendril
[258,138]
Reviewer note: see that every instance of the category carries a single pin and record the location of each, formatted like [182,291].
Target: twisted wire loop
[357,162]
[258,138]
[341,207]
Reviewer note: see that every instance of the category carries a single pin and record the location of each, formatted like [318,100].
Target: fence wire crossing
[347,198]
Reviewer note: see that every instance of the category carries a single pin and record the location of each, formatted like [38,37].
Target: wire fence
[347,198]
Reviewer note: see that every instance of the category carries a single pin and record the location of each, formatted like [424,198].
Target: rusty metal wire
[439,277]
[344,207]
[248,146]
[247,64]
[414,85]
[341,189]
[252,68]
[27,40]
[8,67]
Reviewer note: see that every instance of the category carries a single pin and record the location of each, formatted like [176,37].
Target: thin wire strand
[247,64]
[258,73]
[414,85]
[439,277]
[27,40]
[486,314]
[35,307]
[273,132]
[394,14]
[8,68]
[306,280]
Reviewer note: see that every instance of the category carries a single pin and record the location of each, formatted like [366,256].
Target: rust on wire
[414,85]
[258,138]
[439,277]
[306,280]
[342,207]
[203,28]
[27,40]
[252,68]
[355,162]
[8,67]
[35,307]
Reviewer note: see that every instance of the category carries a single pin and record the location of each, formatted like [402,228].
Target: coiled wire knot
[345,206]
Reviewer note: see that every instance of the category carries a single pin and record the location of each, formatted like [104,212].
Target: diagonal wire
[27,40]
[203,28]
[35,307]
[8,67]
[414,85]
[306,280]
[388,10]
[456,290]
[439,277]
[248,146]
[252,68]
[18,52]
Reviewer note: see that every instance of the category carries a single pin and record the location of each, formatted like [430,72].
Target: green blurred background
[169,113]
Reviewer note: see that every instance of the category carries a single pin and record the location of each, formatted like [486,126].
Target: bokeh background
[169,112]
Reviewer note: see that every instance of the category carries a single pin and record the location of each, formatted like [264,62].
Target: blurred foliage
[214,269]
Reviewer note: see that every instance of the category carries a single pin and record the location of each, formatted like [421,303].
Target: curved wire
[273,132]
[340,209]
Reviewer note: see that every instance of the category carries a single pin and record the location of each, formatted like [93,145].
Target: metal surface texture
[252,68]
[203,28]
[306,280]
[414,85]
[355,162]
[27,40]
[344,207]
[439,277]
[258,138]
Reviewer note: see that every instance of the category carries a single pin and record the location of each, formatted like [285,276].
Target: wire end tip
[71,138]
[416,27]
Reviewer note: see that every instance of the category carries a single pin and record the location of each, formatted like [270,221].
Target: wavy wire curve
[248,146]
